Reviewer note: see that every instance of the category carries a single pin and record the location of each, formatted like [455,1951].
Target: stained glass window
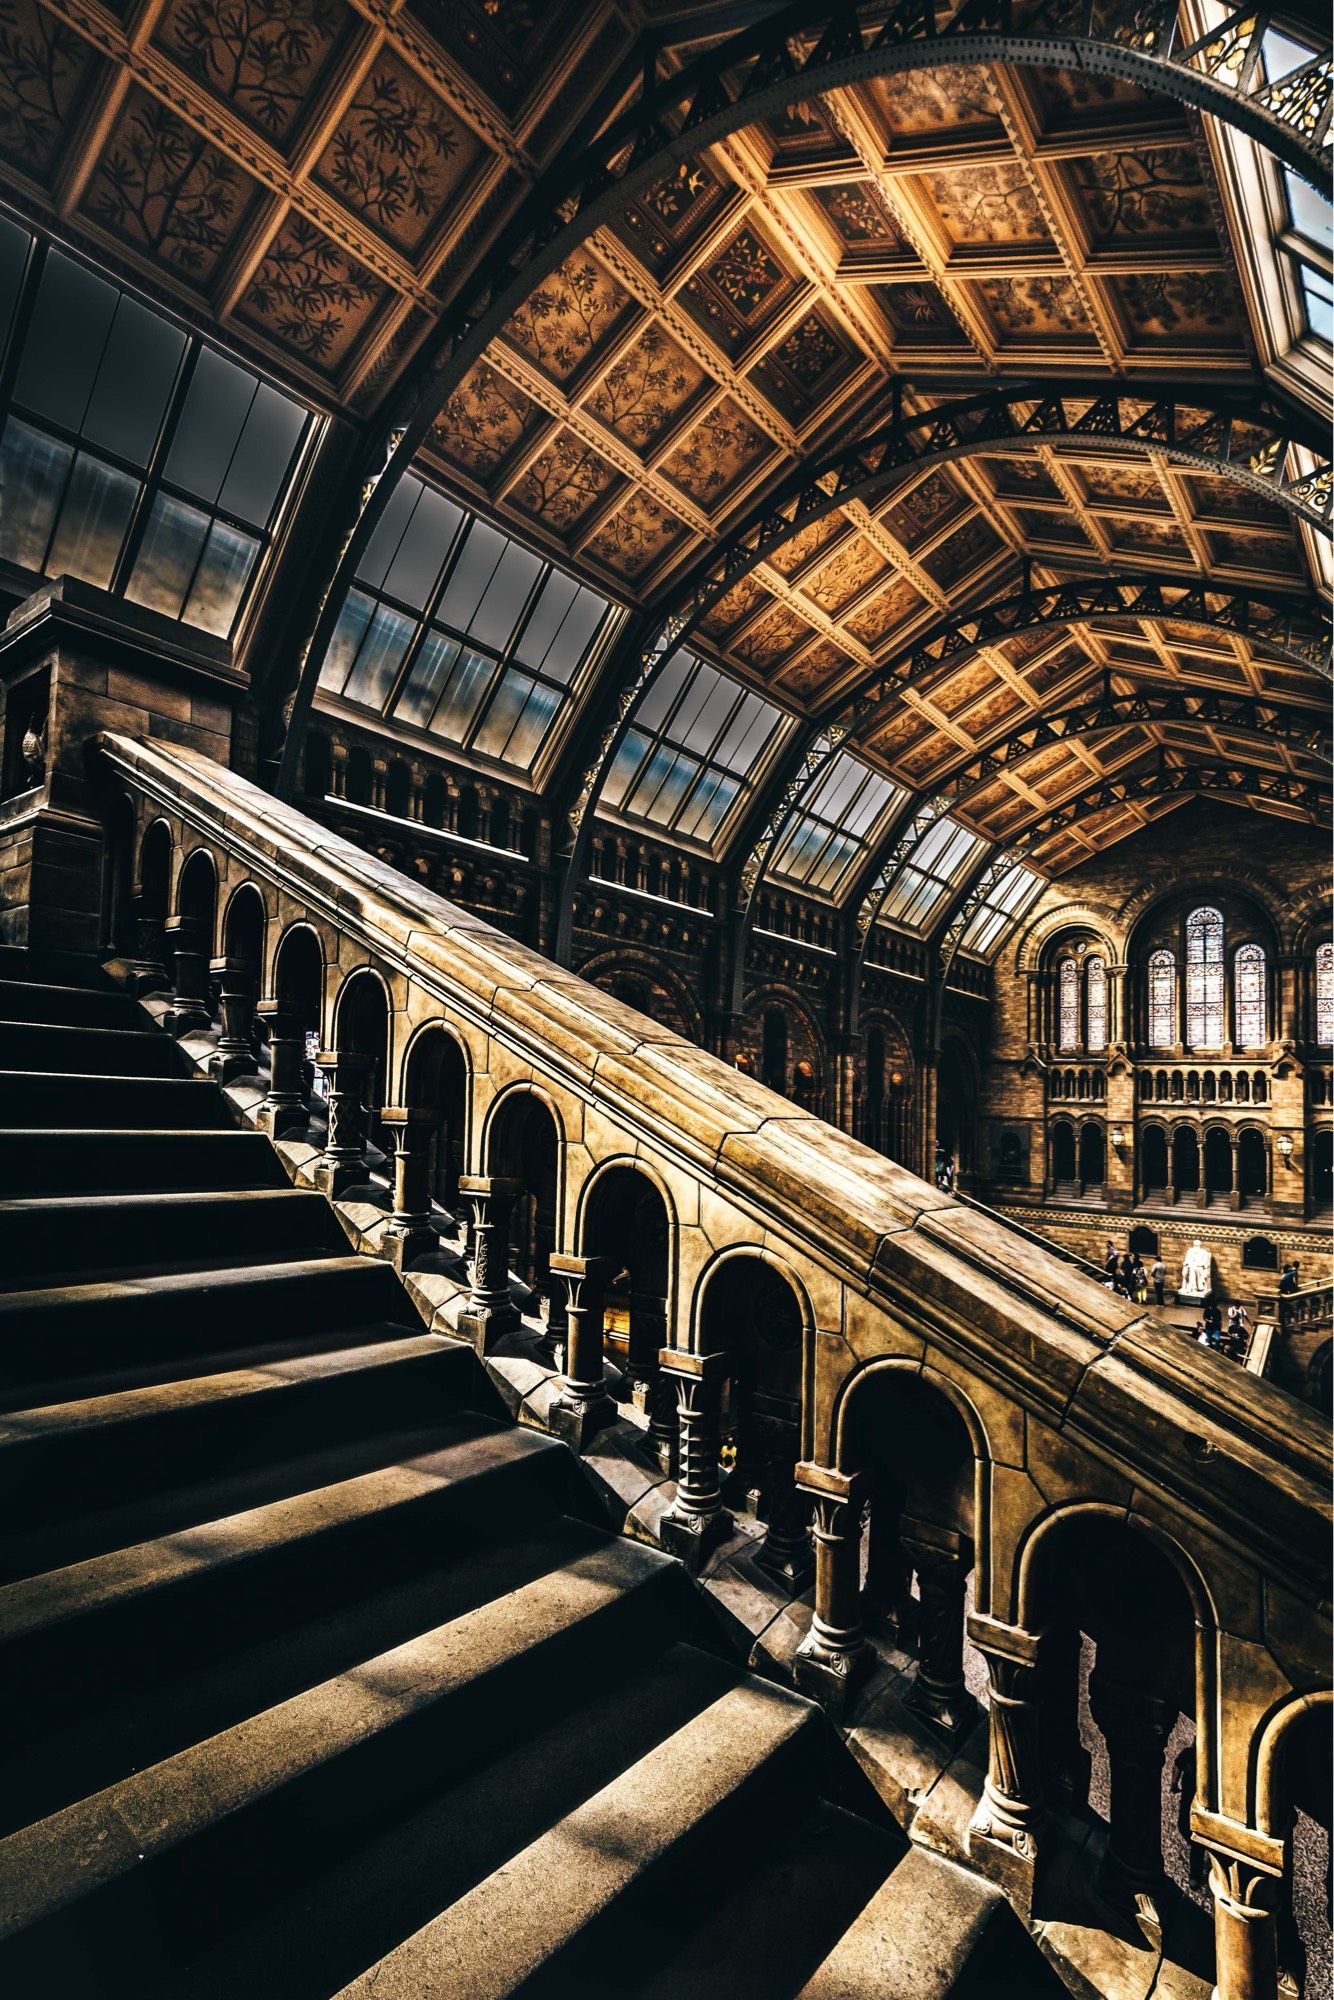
[1249,971]
[1204,979]
[1162,1000]
[1324,993]
[1069,1035]
[1096,989]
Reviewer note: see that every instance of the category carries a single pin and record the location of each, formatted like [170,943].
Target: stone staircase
[322,1677]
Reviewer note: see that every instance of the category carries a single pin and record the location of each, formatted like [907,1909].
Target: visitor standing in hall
[1159,1276]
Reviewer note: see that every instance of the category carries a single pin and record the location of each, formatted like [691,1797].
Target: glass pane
[134,383]
[503,713]
[1162,1000]
[1250,985]
[695,695]
[222,578]
[1324,994]
[352,622]
[625,766]
[563,625]
[32,474]
[1096,981]
[378,661]
[715,807]
[216,405]
[666,782]
[473,569]
[505,598]
[1319,303]
[696,810]
[662,690]
[93,520]
[263,457]
[1311,213]
[531,729]
[388,533]
[420,556]
[168,556]
[66,337]
[748,736]
[15,244]
[833,864]
[464,695]
[553,601]
[1069,1024]
[706,720]
[421,690]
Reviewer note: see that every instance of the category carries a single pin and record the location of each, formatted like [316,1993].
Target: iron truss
[790,57]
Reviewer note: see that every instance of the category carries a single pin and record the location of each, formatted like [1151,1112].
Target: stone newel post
[409,1234]
[942,1560]
[1246,1873]
[186,945]
[235,978]
[284,1110]
[697,1519]
[1003,1836]
[490,1311]
[343,1164]
[584,1406]
[833,1655]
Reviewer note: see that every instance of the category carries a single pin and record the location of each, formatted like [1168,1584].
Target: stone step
[157,1852]
[56,1338]
[50,1098]
[935,1932]
[136,1441]
[52,1237]
[736,1763]
[182,1704]
[69,1006]
[98,1160]
[61,1050]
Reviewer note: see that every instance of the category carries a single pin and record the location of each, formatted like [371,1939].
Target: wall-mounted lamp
[1118,1136]
[1285,1148]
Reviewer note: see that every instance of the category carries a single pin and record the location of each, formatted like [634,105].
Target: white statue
[1197,1272]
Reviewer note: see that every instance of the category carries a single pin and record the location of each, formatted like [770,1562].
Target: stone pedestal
[942,1560]
[1003,1838]
[583,1407]
[490,1311]
[285,1110]
[1246,1872]
[235,980]
[697,1520]
[343,1162]
[833,1656]
[409,1233]
[187,949]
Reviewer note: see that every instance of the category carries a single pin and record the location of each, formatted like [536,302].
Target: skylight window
[696,746]
[1307,243]
[832,830]
[997,915]
[132,456]
[942,857]
[455,628]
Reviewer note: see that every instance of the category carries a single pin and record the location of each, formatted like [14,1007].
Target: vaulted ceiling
[315,180]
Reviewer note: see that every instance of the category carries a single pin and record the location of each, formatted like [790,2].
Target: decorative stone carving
[409,1233]
[942,1560]
[697,1519]
[343,1164]
[584,1406]
[490,1311]
[1197,1272]
[1246,1872]
[235,980]
[833,1656]
[189,1006]
[284,1111]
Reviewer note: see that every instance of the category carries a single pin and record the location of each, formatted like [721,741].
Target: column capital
[1006,1642]
[505,1187]
[408,1117]
[697,1367]
[827,1482]
[1239,1847]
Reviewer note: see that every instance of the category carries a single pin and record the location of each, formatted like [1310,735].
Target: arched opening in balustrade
[1322,1173]
[1118,1690]
[197,897]
[1153,1162]
[773,1057]
[1092,1154]
[1299,1809]
[360,776]
[524,1142]
[1186,1161]
[1063,1165]
[298,978]
[436,1079]
[749,1311]
[922,1458]
[361,1028]
[155,853]
[1218,1164]
[957,1096]
[1252,1165]
[626,1221]
[244,924]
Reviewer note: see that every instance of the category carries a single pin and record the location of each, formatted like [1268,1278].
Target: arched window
[1096,991]
[1249,980]
[1204,979]
[1324,993]
[1069,1027]
[1162,1000]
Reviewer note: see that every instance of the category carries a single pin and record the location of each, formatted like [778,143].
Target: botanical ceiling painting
[161,187]
[265,58]
[44,68]
[397,156]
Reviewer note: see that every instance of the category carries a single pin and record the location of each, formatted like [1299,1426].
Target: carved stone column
[1246,1873]
[584,1407]
[1136,1723]
[786,1553]
[697,1520]
[189,1002]
[343,1164]
[284,1110]
[235,980]
[490,1311]
[409,1234]
[1066,1763]
[942,1560]
[833,1656]
[1003,1836]
[148,972]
